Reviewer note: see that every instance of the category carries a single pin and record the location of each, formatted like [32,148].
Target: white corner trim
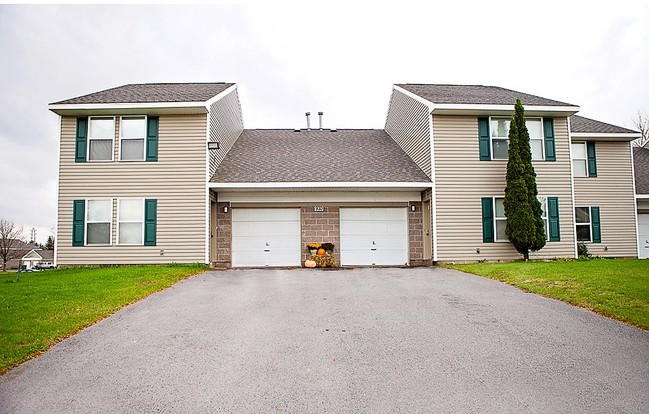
[220,96]
[280,185]
[416,97]
[208,204]
[58,197]
[572,194]
[635,203]
[433,194]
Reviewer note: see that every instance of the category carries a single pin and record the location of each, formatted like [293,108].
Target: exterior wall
[612,190]
[321,227]
[226,124]
[416,236]
[223,236]
[408,123]
[461,179]
[176,180]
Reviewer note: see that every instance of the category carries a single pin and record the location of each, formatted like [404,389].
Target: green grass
[617,288]
[45,307]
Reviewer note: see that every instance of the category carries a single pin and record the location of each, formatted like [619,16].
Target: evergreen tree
[49,244]
[525,227]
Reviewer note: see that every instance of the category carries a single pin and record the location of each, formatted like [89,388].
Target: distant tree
[9,239]
[525,227]
[49,244]
[641,123]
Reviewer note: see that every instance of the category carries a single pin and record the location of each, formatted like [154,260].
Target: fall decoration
[310,263]
[321,252]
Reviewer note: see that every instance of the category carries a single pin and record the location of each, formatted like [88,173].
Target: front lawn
[45,307]
[618,288]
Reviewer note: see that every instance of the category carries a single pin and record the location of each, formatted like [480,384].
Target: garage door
[265,237]
[643,236]
[374,236]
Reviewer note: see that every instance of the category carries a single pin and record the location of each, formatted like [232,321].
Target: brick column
[223,236]
[321,227]
[416,235]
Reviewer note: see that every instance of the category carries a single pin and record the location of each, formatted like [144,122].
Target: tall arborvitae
[525,227]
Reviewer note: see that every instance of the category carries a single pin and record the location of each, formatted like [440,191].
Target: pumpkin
[309,263]
[321,252]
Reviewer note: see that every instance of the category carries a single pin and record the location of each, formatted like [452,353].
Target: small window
[579,159]
[133,134]
[130,221]
[500,137]
[98,221]
[583,224]
[101,133]
[500,219]
[544,214]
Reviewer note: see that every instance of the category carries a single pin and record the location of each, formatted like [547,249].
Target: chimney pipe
[320,116]
[308,120]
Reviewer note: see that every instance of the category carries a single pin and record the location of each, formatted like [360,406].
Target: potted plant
[313,248]
[329,247]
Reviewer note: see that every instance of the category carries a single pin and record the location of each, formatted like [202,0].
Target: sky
[341,58]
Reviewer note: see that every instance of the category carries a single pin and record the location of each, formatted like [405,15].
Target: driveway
[346,341]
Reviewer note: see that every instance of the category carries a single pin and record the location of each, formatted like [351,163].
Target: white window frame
[590,225]
[545,217]
[491,138]
[86,222]
[573,158]
[112,139]
[122,139]
[120,221]
[493,200]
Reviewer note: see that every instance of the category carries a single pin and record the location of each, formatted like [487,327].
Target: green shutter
[78,222]
[487,220]
[553,219]
[150,222]
[152,138]
[592,159]
[82,140]
[594,221]
[548,128]
[483,133]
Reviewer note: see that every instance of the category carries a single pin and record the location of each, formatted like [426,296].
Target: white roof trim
[30,252]
[57,108]
[220,95]
[626,135]
[416,97]
[327,184]
[642,196]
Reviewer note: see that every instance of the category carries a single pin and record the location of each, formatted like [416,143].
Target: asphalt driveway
[364,340]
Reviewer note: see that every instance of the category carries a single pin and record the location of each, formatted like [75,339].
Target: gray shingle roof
[152,92]
[587,125]
[641,166]
[476,94]
[349,155]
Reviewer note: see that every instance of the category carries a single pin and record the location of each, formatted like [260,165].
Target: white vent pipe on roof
[320,117]
[308,120]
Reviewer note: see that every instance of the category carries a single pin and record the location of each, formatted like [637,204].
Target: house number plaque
[318,209]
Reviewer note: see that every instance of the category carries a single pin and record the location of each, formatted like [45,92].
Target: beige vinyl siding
[226,124]
[176,180]
[462,180]
[612,191]
[408,124]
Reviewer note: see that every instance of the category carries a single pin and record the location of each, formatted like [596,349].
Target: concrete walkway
[366,340]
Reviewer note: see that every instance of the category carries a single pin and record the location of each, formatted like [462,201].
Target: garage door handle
[373,249]
[266,250]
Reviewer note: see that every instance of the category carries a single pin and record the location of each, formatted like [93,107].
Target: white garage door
[374,236]
[265,237]
[643,236]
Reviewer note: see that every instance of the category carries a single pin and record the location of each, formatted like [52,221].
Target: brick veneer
[321,227]
[223,236]
[416,236]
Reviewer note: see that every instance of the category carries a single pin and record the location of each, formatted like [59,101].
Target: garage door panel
[643,236]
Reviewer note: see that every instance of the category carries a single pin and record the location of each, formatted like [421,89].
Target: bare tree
[641,123]
[9,239]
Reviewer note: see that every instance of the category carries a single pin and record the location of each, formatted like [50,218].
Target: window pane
[537,149]
[500,230]
[131,210]
[99,210]
[501,148]
[583,214]
[579,168]
[102,128]
[98,233]
[500,128]
[100,149]
[543,201]
[500,207]
[132,149]
[130,233]
[133,128]
[583,232]
[579,150]
[534,128]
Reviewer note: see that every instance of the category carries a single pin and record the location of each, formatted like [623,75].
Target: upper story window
[101,134]
[499,132]
[132,138]
[584,161]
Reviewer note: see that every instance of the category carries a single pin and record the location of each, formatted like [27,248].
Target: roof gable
[641,168]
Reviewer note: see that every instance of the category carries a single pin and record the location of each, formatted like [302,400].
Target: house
[18,249]
[159,173]
[38,257]
[641,168]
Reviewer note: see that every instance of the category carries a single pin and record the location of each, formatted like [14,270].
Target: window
[579,160]
[494,220]
[500,219]
[587,224]
[499,133]
[130,218]
[132,138]
[101,133]
[544,214]
[99,215]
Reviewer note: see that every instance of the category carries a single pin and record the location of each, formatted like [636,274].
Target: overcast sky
[288,59]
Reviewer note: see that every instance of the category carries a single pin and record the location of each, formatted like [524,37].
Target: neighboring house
[159,173]
[38,257]
[19,249]
[641,164]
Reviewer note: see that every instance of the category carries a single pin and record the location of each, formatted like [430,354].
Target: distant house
[20,249]
[38,257]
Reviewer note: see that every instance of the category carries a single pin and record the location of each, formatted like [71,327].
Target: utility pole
[32,232]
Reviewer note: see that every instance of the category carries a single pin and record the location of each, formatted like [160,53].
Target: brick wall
[223,236]
[416,236]
[321,227]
